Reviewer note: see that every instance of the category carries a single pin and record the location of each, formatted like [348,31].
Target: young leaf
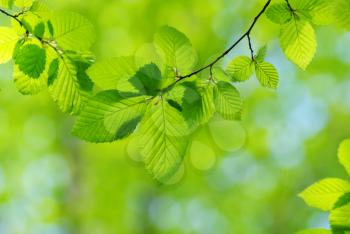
[339,218]
[324,194]
[31,59]
[73,32]
[298,41]
[228,102]
[108,117]
[279,13]
[175,48]
[266,74]
[8,40]
[240,68]
[113,73]
[163,139]
[65,89]
[260,57]
[344,155]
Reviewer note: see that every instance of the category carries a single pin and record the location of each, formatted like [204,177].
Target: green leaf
[163,134]
[342,13]
[176,49]
[279,13]
[260,57]
[315,231]
[298,40]
[148,80]
[266,74]
[65,89]
[23,3]
[108,117]
[30,86]
[198,103]
[228,102]
[240,68]
[340,218]
[73,32]
[8,40]
[342,201]
[324,194]
[344,155]
[31,59]
[39,30]
[113,73]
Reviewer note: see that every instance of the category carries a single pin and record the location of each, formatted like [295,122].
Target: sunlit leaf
[298,40]
[175,48]
[8,40]
[344,154]
[324,194]
[228,102]
[240,68]
[109,117]
[163,139]
[266,74]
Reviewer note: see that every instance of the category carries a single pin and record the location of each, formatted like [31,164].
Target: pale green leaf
[240,68]
[228,102]
[298,41]
[6,3]
[113,73]
[344,154]
[65,89]
[315,231]
[324,194]
[109,117]
[8,40]
[279,13]
[175,48]
[163,139]
[73,32]
[266,74]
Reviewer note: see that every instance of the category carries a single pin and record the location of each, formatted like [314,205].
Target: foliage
[161,99]
[332,195]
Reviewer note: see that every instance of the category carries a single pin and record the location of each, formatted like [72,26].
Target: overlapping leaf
[228,102]
[176,49]
[109,117]
[163,139]
[240,68]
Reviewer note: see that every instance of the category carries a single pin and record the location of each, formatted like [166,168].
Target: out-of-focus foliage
[242,180]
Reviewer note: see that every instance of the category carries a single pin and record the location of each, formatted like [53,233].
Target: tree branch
[15,17]
[246,34]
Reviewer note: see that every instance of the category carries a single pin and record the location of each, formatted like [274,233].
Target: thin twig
[246,34]
[15,17]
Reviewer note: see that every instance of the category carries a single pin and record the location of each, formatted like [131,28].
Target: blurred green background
[239,177]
